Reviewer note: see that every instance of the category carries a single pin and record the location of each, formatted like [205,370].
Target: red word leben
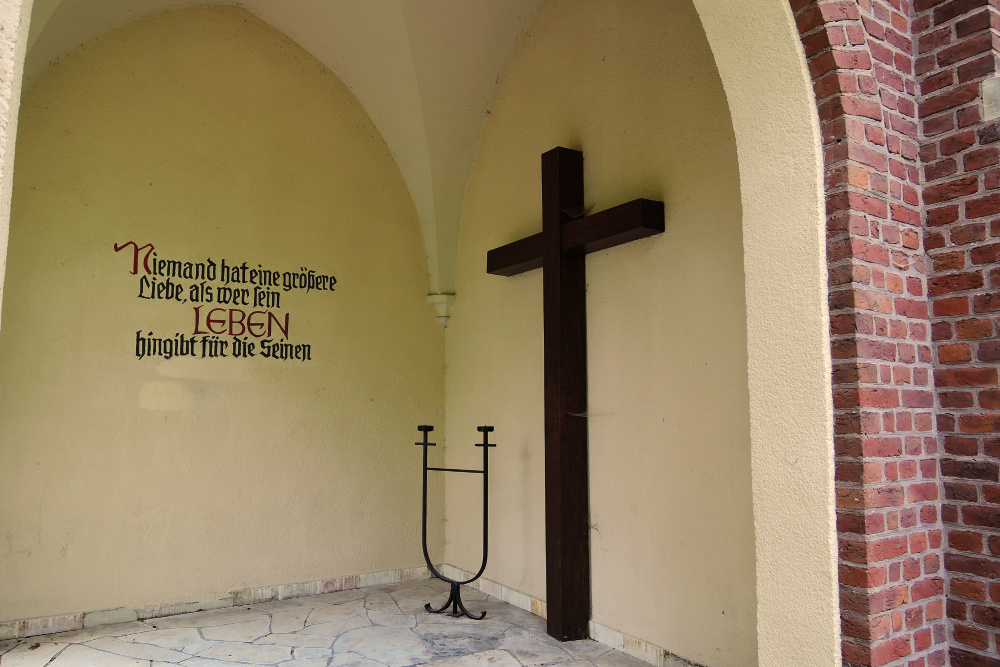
[236,322]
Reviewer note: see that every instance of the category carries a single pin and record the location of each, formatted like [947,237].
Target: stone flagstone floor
[379,626]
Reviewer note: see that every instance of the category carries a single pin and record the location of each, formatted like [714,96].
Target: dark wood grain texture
[560,250]
[564,299]
[628,222]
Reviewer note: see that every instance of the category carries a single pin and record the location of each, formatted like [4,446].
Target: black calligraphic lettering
[151,288]
[168,348]
[285,351]
[200,293]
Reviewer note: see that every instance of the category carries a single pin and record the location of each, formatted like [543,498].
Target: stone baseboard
[68,622]
[638,648]
[632,646]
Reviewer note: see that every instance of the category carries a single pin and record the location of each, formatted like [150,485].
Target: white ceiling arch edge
[424,71]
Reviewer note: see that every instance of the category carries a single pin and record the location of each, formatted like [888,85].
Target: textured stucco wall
[760,61]
[633,85]
[14,19]
[132,482]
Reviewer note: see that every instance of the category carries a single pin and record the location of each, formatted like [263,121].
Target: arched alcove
[762,73]
[590,77]
[169,429]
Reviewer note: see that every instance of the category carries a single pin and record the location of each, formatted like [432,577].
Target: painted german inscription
[236,308]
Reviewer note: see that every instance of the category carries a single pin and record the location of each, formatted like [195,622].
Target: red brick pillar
[860,55]
[961,154]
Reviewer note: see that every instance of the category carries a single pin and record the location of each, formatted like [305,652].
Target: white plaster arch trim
[15,16]
[763,69]
[425,73]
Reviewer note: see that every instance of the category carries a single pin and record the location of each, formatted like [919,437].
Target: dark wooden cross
[560,250]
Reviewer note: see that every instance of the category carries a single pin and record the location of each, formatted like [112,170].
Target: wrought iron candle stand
[455,597]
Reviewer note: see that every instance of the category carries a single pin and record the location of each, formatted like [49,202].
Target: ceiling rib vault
[424,70]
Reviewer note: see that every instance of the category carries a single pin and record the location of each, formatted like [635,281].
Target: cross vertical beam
[567,504]
[559,249]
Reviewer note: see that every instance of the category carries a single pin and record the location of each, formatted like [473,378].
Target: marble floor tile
[297,640]
[175,638]
[353,660]
[188,640]
[494,658]
[30,653]
[303,653]
[254,654]
[239,632]
[585,649]
[455,640]
[469,593]
[81,636]
[396,620]
[205,662]
[437,584]
[136,650]
[382,602]
[337,627]
[395,647]
[530,649]
[617,659]
[339,597]
[379,626]
[325,613]
[200,619]
[291,620]
[412,600]
[78,655]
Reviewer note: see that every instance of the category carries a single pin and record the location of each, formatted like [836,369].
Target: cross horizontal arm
[635,220]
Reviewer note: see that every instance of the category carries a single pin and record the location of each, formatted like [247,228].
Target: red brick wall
[961,193]
[861,58]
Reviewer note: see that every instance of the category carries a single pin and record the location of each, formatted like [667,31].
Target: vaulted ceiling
[425,70]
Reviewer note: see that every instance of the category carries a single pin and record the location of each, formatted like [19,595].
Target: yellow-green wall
[634,86]
[130,482]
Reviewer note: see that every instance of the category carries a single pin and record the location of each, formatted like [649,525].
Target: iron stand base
[455,600]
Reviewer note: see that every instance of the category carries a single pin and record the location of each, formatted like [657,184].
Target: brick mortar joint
[853,161]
